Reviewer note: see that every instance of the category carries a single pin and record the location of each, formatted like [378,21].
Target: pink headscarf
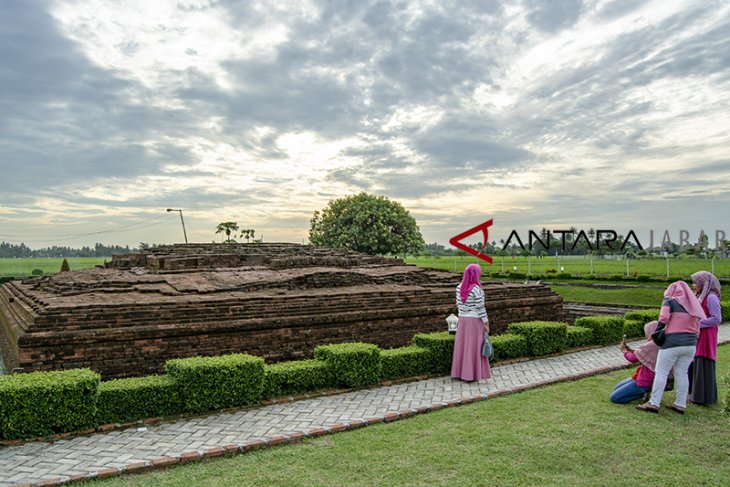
[708,284]
[472,273]
[680,292]
[647,353]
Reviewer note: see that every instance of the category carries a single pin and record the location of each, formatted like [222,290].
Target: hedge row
[579,336]
[634,328]
[606,329]
[44,403]
[125,400]
[542,337]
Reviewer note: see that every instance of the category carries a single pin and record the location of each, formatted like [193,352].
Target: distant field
[579,265]
[24,267]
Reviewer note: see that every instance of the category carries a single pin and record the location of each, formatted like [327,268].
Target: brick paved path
[106,454]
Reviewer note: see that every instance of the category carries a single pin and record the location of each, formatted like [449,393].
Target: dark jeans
[627,391]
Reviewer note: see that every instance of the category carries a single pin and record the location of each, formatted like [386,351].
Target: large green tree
[366,223]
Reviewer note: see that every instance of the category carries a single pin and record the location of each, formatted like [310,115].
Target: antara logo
[455,241]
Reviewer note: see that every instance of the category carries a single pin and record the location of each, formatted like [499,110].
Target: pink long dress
[468,363]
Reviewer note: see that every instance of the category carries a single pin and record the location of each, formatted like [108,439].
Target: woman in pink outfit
[468,363]
[680,317]
[702,379]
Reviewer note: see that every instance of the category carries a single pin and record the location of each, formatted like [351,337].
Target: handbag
[659,336]
[487,348]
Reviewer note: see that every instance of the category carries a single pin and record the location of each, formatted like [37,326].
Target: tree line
[10,251]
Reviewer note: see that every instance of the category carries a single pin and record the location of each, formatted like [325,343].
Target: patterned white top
[474,306]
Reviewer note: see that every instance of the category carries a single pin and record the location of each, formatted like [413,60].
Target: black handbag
[659,336]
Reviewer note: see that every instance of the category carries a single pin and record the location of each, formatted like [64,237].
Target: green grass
[580,265]
[627,296]
[564,434]
[24,267]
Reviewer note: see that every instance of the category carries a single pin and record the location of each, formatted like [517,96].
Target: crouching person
[637,386]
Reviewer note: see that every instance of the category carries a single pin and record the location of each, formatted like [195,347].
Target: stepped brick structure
[276,300]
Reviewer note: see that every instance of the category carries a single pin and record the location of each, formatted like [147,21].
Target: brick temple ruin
[275,300]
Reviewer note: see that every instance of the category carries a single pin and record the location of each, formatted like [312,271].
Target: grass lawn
[627,296]
[51,265]
[564,434]
[579,265]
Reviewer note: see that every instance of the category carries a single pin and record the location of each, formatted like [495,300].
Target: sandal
[647,407]
[675,408]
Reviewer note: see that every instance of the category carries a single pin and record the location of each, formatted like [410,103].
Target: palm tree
[227,228]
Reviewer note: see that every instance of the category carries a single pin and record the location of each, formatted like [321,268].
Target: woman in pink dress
[468,364]
[703,382]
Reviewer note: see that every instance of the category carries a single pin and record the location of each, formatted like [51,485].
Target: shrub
[579,336]
[352,364]
[403,362]
[64,266]
[296,377]
[218,382]
[124,400]
[43,403]
[634,328]
[644,278]
[725,305]
[36,272]
[440,346]
[563,275]
[542,337]
[606,329]
[508,345]
[643,315]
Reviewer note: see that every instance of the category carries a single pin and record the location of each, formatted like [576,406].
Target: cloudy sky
[607,114]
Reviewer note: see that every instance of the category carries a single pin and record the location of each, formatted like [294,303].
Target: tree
[64,266]
[248,234]
[366,223]
[227,228]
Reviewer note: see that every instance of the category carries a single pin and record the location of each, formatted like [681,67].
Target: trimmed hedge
[725,306]
[606,329]
[353,364]
[296,377]
[634,328]
[125,400]
[542,337]
[440,346]
[579,336]
[402,362]
[644,315]
[508,345]
[218,382]
[44,403]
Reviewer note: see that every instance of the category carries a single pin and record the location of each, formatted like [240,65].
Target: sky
[535,113]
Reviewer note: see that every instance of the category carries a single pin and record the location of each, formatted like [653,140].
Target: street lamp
[181,221]
[452,321]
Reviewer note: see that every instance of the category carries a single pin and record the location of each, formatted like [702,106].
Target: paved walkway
[107,454]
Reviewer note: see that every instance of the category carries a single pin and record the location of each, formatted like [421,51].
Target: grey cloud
[65,119]
[618,8]
[469,143]
[553,15]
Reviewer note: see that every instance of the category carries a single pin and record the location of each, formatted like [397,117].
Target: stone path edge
[233,449]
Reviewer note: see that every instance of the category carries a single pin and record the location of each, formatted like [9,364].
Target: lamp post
[181,221]
[451,321]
